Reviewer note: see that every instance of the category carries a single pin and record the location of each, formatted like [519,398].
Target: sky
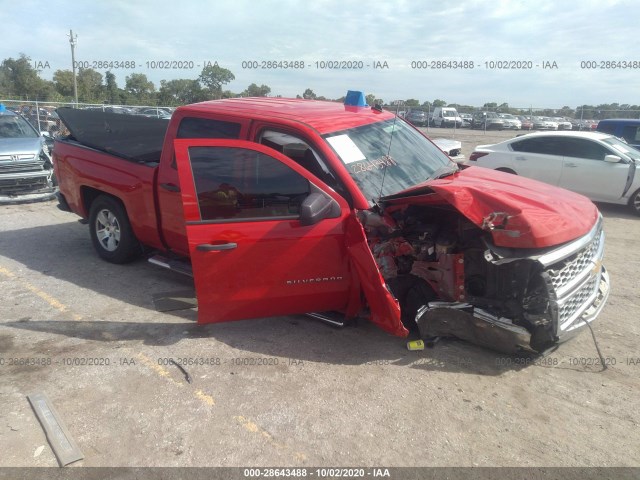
[389,43]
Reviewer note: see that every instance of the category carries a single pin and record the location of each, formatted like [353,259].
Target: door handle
[209,247]
[170,186]
[521,158]
[570,165]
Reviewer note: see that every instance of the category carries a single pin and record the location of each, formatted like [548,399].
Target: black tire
[111,232]
[634,202]
[411,292]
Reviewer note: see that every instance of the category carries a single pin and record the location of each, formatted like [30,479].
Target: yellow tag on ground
[415,345]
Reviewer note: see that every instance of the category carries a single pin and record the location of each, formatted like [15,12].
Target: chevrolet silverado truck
[283,206]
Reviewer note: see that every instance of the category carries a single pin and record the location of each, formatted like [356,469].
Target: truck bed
[131,137]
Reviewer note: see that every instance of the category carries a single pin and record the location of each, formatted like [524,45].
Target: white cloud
[332,30]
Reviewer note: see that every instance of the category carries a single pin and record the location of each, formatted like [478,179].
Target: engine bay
[448,282]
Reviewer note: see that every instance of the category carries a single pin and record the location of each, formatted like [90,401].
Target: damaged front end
[451,280]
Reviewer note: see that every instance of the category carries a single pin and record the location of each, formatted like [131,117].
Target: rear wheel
[111,232]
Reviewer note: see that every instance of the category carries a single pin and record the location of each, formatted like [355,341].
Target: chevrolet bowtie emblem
[596,267]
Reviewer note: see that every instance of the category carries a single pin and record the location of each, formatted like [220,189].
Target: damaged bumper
[577,286]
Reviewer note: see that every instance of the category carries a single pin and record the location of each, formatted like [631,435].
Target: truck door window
[305,155]
[299,151]
[238,184]
[193,127]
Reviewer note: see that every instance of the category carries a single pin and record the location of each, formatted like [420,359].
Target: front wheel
[111,232]
[634,202]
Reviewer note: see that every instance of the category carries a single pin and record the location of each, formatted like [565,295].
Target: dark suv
[418,117]
[487,121]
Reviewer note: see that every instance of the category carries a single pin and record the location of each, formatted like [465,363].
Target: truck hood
[519,212]
[20,146]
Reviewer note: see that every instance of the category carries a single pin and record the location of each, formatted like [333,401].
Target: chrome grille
[20,167]
[577,302]
[17,158]
[569,269]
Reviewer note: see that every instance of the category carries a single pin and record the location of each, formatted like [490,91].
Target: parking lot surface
[290,391]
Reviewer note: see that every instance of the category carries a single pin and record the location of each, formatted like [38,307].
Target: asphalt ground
[290,391]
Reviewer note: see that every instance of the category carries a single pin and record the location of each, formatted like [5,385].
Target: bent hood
[519,212]
[20,146]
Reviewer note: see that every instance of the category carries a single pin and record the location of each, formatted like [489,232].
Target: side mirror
[612,158]
[316,207]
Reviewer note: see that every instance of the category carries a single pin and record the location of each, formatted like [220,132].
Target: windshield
[13,126]
[365,151]
[623,148]
[448,113]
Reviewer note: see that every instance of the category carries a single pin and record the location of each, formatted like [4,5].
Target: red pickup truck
[284,206]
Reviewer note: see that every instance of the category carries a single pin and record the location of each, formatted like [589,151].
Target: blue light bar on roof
[355,98]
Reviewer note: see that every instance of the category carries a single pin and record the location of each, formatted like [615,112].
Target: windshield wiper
[444,172]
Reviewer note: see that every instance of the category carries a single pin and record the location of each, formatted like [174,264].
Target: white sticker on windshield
[347,150]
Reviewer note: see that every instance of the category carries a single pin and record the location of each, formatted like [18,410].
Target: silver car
[26,168]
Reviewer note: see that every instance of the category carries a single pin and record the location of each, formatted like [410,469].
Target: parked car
[487,121]
[154,112]
[563,123]
[418,117]
[26,169]
[626,128]
[525,122]
[542,123]
[43,119]
[453,148]
[511,122]
[467,118]
[552,122]
[597,165]
[446,117]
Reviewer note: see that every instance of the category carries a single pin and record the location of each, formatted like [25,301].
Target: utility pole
[73,42]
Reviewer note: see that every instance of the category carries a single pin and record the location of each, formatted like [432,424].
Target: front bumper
[26,186]
[578,282]
[592,308]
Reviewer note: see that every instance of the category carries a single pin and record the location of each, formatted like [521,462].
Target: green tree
[112,92]
[438,103]
[213,77]
[309,95]
[18,78]
[63,82]
[90,88]
[140,89]
[504,108]
[180,92]
[372,100]
[254,90]
[412,102]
